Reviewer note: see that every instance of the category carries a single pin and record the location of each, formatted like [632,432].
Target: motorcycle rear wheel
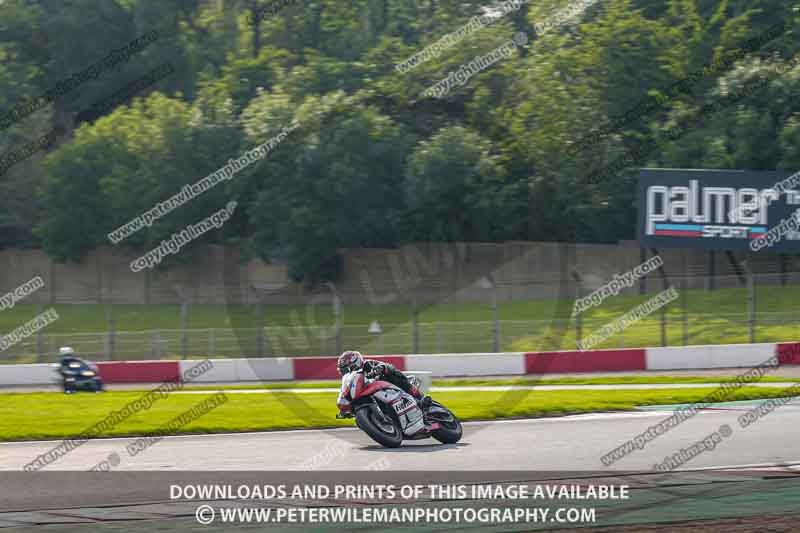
[379,427]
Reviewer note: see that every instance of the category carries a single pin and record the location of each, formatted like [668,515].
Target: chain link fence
[735,309]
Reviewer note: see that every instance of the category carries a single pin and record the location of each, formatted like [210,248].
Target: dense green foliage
[374,163]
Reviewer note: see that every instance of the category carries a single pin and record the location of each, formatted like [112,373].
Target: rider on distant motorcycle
[67,355]
[76,373]
[352,360]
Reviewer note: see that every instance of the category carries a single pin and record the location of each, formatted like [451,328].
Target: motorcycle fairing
[404,405]
[355,386]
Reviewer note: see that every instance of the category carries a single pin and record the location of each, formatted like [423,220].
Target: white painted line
[788,464]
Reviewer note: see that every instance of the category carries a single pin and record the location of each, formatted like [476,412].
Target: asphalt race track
[572,444]
[564,443]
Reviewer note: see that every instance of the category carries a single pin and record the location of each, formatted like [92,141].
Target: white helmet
[65,350]
[349,361]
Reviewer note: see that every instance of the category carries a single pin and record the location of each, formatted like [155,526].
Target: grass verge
[54,415]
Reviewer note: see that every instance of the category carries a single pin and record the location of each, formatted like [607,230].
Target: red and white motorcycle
[390,415]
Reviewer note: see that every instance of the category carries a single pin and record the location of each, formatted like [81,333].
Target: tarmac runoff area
[570,443]
[750,480]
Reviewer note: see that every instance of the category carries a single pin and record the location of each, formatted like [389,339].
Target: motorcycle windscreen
[352,384]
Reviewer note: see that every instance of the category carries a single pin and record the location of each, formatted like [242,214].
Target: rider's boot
[423,401]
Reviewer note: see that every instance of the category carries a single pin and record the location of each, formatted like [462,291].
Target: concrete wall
[439,365]
[693,357]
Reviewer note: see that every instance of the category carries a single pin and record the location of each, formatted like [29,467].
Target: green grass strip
[55,415]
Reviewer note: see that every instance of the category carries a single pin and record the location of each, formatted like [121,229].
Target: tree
[333,183]
[122,166]
[454,188]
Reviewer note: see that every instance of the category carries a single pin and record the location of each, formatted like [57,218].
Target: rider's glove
[344,414]
[377,370]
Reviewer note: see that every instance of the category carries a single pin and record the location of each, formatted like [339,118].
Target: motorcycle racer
[352,360]
[76,373]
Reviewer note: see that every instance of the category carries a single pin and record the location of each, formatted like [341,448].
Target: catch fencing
[734,309]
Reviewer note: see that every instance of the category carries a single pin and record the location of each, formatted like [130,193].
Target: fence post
[712,265]
[685,308]
[495,320]
[783,260]
[260,328]
[337,315]
[157,344]
[184,332]
[40,339]
[112,331]
[487,282]
[414,325]
[643,279]
[578,316]
[751,302]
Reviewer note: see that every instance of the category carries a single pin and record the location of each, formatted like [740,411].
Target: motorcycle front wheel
[450,429]
[379,427]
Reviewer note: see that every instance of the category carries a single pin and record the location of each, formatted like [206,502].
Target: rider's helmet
[65,351]
[349,361]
